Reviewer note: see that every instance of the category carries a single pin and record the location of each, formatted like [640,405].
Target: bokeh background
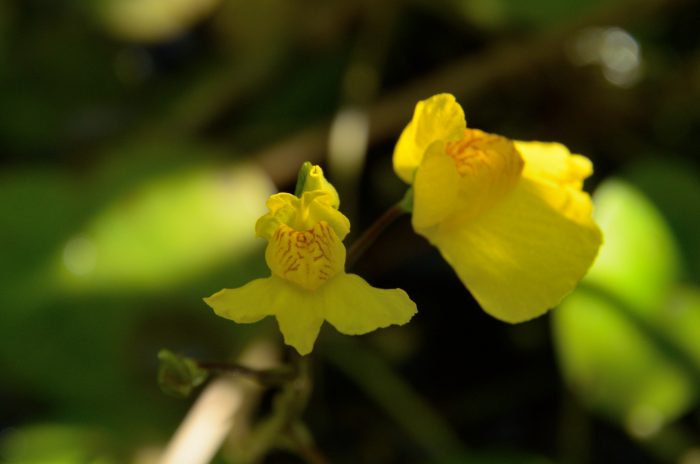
[139,140]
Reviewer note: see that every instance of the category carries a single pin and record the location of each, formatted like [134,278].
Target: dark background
[140,139]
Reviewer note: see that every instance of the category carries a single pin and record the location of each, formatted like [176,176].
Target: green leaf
[178,375]
[626,339]
[31,233]
[54,443]
[166,230]
[639,259]
[673,186]
[143,21]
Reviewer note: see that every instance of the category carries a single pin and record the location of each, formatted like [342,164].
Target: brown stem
[360,246]
[264,376]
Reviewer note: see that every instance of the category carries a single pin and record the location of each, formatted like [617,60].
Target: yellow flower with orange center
[308,282]
[509,216]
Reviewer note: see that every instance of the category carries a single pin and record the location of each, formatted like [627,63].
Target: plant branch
[362,244]
[267,377]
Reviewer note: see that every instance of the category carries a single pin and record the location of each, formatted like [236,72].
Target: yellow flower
[308,283]
[510,217]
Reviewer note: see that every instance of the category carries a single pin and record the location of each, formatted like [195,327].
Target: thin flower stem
[274,376]
[224,408]
[362,244]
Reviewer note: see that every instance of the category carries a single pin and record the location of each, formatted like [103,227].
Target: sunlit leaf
[74,334]
[627,338]
[167,230]
[53,443]
[639,260]
[674,188]
[153,20]
[615,367]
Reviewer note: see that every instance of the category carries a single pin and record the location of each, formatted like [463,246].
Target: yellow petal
[523,256]
[299,317]
[245,304]
[354,307]
[489,168]
[297,310]
[301,213]
[316,207]
[283,208]
[438,118]
[435,187]
[554,163]
[551,163]
[306,258]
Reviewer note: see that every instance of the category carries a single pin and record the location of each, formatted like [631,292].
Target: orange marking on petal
[307,258]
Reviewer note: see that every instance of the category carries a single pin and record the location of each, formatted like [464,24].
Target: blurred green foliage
[627,338]
[140,139]
[509,13]
[57,444]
